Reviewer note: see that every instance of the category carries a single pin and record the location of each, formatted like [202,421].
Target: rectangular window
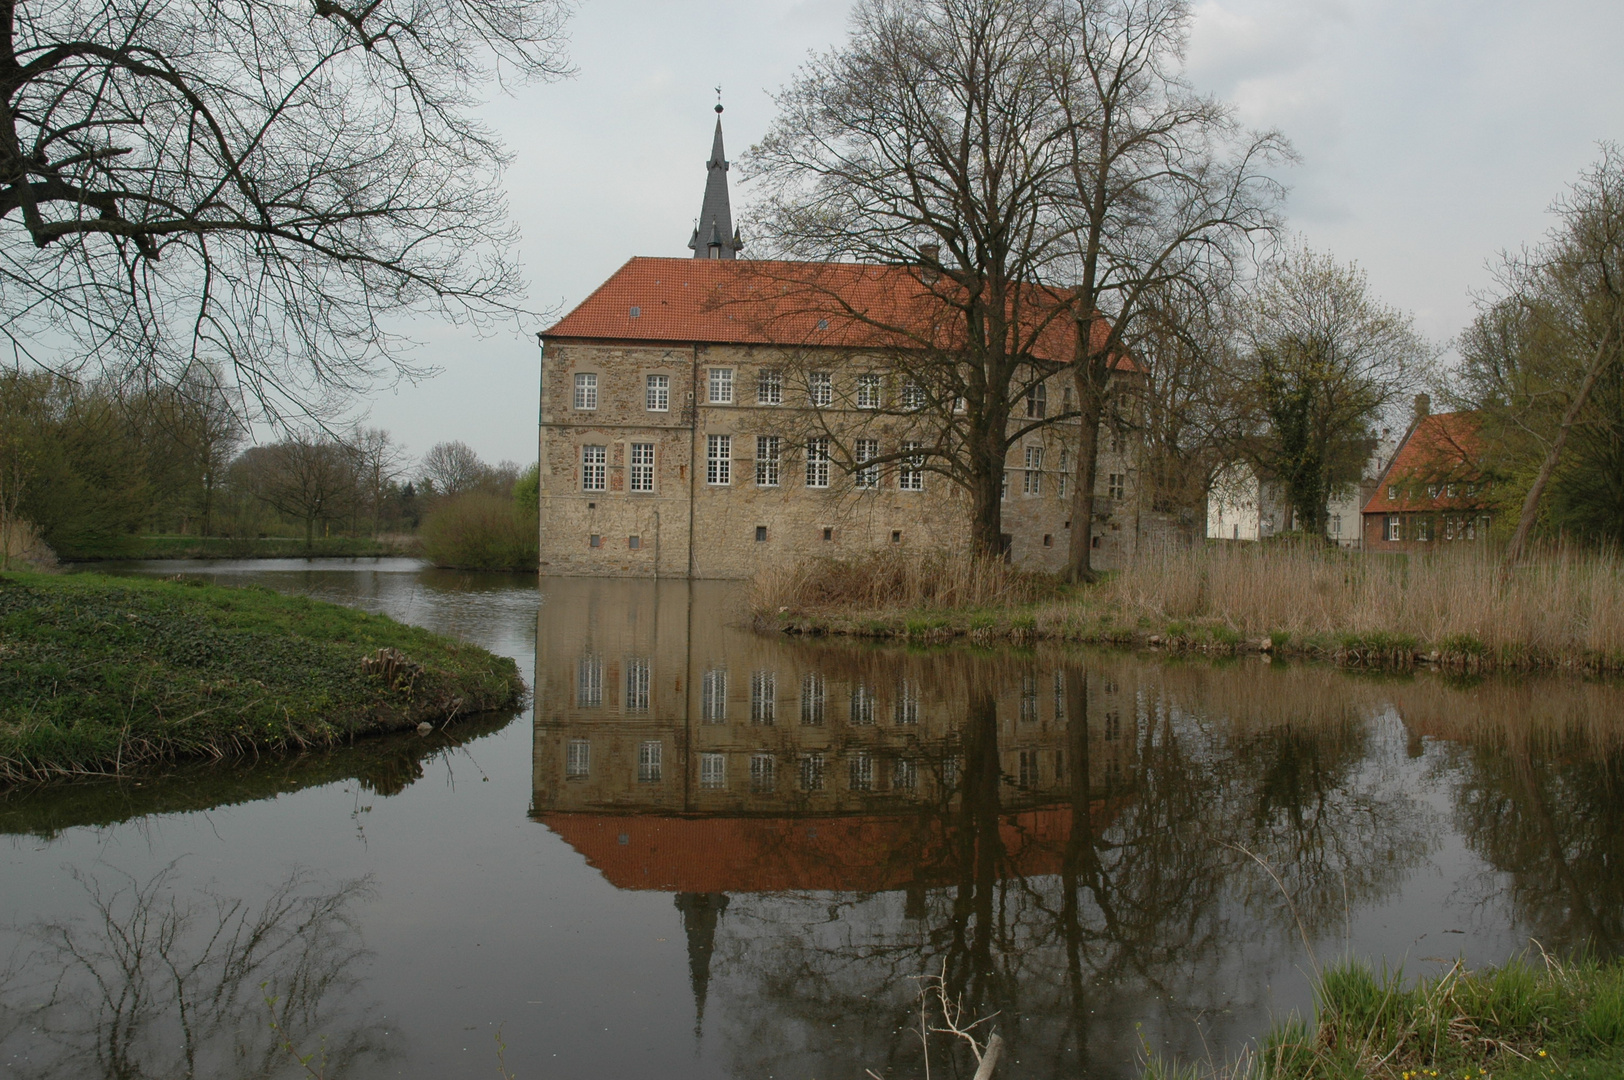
[1037,402]
[911,471]
[867,476]
[769,387]
[1116,485]
[1003,485]
[642,478]
[1394,529]
[718,459]
[1029,699]
[1423,528]
[1032,482]
[763,697]
[1336,524]
[713,696]
[594,468]
[950,773]
[860,772]
[762,770]
[649,756]
[1117,441]
[907,707]
[1392,493]
[1029,769]
[811,772]
[713,770]
[817,463]
[1059,696]
[813,697]
[913,396]
[862,705]
[1113,726]
[721,386]
[868,391]
[586,390]
[820,389]
[589,682]
[1063,479]
[578,758]
[767,461]
[637,681]
[904,775]
[657,393]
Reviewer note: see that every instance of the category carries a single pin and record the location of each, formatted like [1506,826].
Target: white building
[1242,505]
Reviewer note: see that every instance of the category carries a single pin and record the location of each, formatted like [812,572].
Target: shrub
[481,532]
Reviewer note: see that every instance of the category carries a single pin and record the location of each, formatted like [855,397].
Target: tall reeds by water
[1564,606]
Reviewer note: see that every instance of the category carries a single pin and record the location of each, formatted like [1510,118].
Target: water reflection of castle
[681,753]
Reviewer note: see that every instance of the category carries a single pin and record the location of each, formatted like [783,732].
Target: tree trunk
[986,493]
[1530,506]
[1079,551]
[310,533]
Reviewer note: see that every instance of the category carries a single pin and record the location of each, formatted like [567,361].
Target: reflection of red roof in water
[842,854]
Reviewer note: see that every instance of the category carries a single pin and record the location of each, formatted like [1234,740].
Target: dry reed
[887,580]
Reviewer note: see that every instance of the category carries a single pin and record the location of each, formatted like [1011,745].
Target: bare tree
[1322,360]
[379,462]
[1162,186]
[306,477]
[258,185]
[453,467]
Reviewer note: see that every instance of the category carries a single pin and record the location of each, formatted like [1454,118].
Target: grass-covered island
[1544,1020]
[99,675]
[1560,610]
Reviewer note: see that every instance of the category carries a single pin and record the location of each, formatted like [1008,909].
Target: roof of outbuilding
[1441,449]
[762,302]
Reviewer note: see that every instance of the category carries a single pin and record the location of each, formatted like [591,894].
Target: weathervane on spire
[718,99]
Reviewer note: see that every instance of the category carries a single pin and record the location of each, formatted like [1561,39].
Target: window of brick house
[769,387]
[868,391]
[642,471]
[719,459]
[867,476]
[586,390]
[767,460]
[817,463]
[820,389]
[657,393]
[721,386]
[594,467]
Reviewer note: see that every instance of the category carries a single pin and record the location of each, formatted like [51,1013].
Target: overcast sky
[1433,134]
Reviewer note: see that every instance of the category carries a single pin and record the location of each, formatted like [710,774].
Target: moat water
[703,852]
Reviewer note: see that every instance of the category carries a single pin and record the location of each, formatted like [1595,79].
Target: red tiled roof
[761,302]
[861,853]
[1442,449]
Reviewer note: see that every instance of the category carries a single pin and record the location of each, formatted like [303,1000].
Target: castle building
[711,416]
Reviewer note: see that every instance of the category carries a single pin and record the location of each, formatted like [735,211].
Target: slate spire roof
[715,237]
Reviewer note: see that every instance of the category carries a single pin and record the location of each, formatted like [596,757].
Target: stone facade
[707,506]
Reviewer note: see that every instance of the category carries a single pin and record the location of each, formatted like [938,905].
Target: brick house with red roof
[1434,491]
[708,416]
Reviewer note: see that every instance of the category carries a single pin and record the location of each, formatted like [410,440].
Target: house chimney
[1423,406]
[930,259]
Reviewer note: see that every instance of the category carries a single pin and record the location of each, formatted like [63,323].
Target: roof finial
[718,99]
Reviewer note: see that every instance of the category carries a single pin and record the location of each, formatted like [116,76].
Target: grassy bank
[99,675]
[1563,610]
[263,547]
[1524,1021]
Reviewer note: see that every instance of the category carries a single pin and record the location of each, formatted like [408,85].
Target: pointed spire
[714,235]
[700,913]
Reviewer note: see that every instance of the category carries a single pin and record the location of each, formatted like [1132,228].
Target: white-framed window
[1116,485]
[1432,491]
[650,756]
[763,770]
[586,390]
[811,772]
[578,758]
[721,386]
[713,770]
[868,391]
[763,697]
[907,707]
[1336,524]
[860,772]
[1003,485]
[867,476]
[769,387]
[814,697]
[1451,490]
[657,393]
[1063,479]
[1392,493]
[1032,482]
[718,459]
[913,396]
[862,706]
[594,467]
[642,473]
[820,389]
[767,460]
[911,470]
[589,682]
[1059,696]
[713,696]
[1066,399]
[1029,699]
[904,775]
[1423,528]
[1395,529]
[1037,402]
[817,463]
[637,682]
[1028,777]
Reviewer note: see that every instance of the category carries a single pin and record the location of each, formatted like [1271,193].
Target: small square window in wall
[634,542]
[1048,540]
[594,541]
[828,534]
[761,534]
[896,536]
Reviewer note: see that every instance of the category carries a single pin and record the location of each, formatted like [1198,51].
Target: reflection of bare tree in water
[149,984]
[1154,911]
